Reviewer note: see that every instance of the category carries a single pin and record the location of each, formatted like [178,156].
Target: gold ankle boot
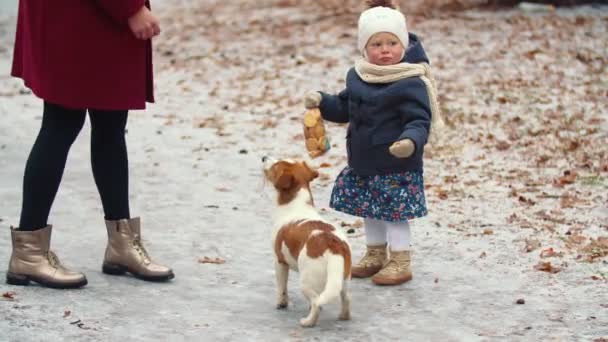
[126,253]
[32,260]
[371,263]
[396,270]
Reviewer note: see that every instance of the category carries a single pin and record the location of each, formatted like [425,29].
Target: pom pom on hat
[382,16]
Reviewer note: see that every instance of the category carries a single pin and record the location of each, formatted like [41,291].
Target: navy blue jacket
[380,114]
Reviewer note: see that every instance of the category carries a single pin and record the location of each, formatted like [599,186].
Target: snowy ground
[519,180]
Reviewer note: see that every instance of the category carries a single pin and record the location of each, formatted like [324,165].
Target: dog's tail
[335,279]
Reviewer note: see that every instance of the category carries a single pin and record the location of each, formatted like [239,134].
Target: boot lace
[372,257]
[391,266]
[141,250]
[395,265]
[53,259]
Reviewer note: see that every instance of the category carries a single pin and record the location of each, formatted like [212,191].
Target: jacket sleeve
[334,108]
[415,114]
[121,10]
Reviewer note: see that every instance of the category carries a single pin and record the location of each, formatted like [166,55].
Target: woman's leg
[125,251]
[109,161]
[46,162]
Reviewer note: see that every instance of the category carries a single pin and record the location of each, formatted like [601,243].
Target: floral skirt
[391,197]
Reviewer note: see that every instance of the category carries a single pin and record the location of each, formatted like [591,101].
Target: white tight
[397,234]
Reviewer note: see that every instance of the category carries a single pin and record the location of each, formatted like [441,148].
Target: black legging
[46,162]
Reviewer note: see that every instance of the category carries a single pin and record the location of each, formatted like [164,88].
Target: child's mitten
[312,99]
[314,132]
[402,148]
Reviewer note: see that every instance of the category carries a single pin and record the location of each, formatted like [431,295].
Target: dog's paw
[282,301]
[307,323]
[344,316]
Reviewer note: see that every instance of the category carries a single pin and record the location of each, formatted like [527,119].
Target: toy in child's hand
[314,133]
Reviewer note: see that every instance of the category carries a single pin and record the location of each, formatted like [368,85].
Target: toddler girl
[390,105]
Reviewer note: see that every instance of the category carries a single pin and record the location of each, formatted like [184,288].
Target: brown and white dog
[306,243]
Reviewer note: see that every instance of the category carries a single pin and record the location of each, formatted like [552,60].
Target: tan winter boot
[371,262]
[32,260]
[395,271]
[126,253]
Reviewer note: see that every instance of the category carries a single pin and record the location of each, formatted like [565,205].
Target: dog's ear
[280,176]
[284,181]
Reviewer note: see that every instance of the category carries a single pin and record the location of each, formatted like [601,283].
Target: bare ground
[517,186]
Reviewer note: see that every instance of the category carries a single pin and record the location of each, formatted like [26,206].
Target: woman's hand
[144,25]
[402,148]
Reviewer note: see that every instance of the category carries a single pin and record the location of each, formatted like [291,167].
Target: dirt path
[519,180]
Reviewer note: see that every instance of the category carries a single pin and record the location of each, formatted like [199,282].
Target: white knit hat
[381,19]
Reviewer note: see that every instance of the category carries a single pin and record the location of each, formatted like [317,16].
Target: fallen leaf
[550,252]
[207,260]
[532,53]
[10,295]
[554,216]
[597,248]
[488,231]
[442,194]
[503,145]
[570,200]
[575,240]
[66,313]
[569,177]
[268,123]
[546,267]
[526,200]
[450,179]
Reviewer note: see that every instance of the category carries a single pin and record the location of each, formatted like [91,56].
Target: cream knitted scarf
[373,73]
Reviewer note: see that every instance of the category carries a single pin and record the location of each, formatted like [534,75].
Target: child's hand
[312,99]
[402,148]
[143,24]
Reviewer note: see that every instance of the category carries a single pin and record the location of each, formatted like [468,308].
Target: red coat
[82,54]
